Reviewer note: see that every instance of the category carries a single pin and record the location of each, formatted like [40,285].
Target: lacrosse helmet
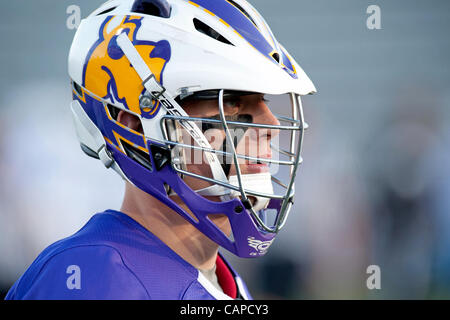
[146,57]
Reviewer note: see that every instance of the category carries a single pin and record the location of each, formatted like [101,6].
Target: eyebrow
[244,118]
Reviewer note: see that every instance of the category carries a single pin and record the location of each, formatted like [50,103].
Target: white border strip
[210,288]
[242,288]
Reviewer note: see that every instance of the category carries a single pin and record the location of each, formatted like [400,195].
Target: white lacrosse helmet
[146,57]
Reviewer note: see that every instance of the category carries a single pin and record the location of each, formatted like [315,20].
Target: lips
[255,168]
[252,166]
[258,161]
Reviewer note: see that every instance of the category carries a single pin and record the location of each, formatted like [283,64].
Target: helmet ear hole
[130,120]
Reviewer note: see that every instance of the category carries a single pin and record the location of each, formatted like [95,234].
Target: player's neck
[172,229]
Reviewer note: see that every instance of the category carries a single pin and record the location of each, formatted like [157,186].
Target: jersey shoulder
[81,272]
[110,257]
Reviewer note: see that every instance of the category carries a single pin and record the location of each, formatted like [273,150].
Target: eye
[264,99]
[232,102]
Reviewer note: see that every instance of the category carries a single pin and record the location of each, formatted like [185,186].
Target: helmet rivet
[238,209]
[145,102]
[158,156]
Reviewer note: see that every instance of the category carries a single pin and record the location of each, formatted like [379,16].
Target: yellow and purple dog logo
[108,73]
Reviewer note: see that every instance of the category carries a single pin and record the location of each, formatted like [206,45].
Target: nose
[258,140]
[263,115]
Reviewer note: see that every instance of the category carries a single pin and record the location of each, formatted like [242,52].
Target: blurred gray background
[374,188]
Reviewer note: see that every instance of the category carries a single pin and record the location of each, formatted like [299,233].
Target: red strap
[225,278]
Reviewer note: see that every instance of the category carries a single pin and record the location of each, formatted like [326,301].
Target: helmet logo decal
[108,73]
[260,246]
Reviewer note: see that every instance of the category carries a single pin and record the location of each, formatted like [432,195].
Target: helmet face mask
[267,156]
[198,152]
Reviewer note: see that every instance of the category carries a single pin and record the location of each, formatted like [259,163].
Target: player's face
[253,142]
[248,141]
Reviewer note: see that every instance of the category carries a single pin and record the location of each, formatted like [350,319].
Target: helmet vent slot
[210,32]
[157,8]
[106,11]
[221,221]
[77,88]
[243,11]
[113,111]
[276,57]
[179,201]
[137,155]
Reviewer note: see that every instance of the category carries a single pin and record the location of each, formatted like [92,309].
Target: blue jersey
[114,257]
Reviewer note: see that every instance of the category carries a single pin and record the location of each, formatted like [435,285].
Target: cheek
[255,143]
[198,158]
[248,144]
[215,138]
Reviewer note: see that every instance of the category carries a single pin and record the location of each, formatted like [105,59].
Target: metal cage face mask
[242,159]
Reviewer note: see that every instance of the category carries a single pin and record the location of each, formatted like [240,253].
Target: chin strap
[256,182]
[158,92]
